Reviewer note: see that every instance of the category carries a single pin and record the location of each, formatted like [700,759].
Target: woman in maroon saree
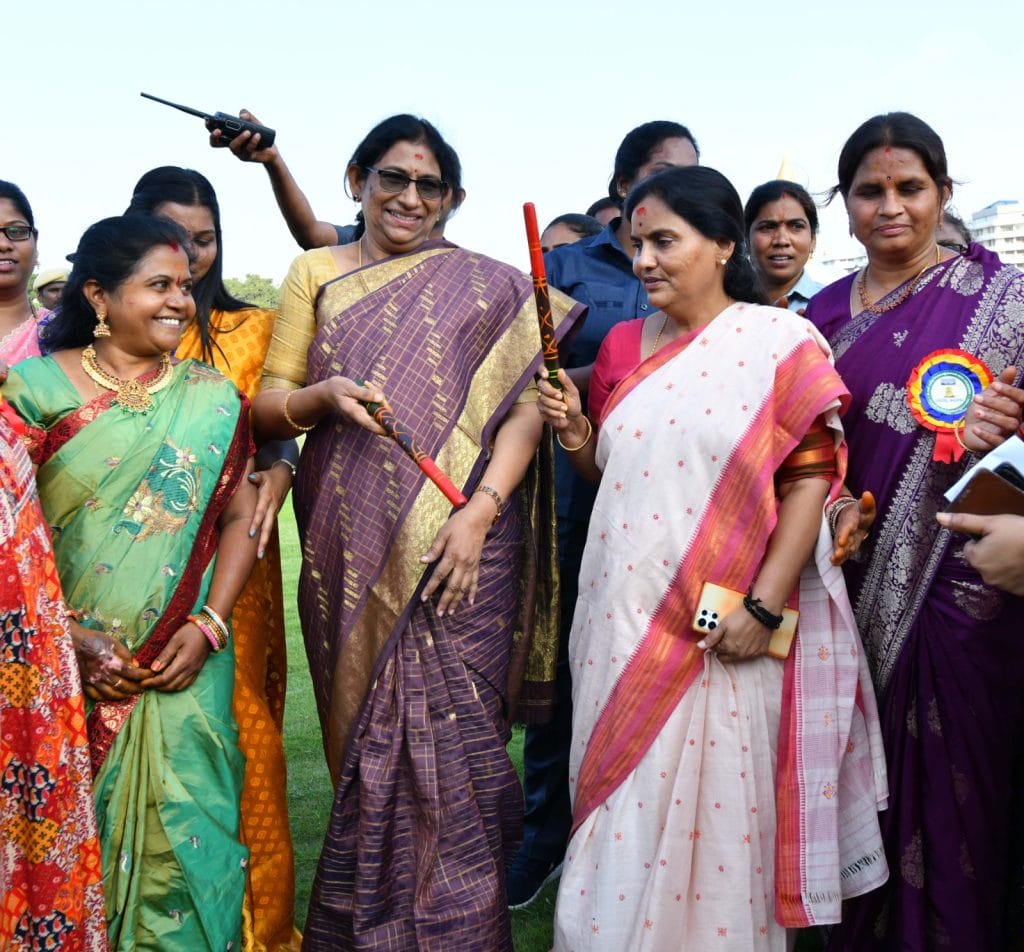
[943,646]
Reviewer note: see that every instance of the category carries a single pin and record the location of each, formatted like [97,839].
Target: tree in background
[255,290]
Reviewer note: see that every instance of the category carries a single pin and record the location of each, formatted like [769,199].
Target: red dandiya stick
[405,439]
[540,293]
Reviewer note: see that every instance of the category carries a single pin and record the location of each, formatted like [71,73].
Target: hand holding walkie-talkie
[229,126]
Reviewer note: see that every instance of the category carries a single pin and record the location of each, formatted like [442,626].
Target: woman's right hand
[179,664]
[995,414]
[342,397]
[563,409]
[109,672]
[246,145]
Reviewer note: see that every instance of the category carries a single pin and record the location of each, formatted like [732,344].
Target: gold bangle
[288,416]
[496,496]
[576,449]
[958,432]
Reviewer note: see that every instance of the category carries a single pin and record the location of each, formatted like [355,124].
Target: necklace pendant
[133,396]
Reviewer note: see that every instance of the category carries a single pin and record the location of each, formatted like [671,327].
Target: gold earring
[102,329]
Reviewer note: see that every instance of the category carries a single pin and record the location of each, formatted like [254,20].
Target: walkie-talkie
[229,126]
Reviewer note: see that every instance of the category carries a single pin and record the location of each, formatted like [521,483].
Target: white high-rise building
[1000,228]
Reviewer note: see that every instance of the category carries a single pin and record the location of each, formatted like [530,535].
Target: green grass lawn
[309,787]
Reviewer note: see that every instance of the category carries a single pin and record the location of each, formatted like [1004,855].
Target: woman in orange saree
[234,337]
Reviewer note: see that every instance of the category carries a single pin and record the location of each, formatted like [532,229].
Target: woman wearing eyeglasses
[408,607]
[19,329]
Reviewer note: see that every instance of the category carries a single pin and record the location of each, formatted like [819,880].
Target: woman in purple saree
[408,609]
[943,646]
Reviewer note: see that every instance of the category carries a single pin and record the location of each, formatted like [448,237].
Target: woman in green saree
[142,464]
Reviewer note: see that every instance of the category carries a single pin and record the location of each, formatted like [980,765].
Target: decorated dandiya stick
[401,435]
[540,294]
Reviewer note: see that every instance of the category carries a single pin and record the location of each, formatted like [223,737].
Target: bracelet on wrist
[834,510]
[216,619]
[212,626]
[202,623]
[760,613]
[586,440]
[285,462]
[496,496]
[288,416]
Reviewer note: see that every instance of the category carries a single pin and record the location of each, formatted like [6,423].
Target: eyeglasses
[22,232]
[429,188]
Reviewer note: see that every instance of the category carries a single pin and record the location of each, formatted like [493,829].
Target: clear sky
[535,96]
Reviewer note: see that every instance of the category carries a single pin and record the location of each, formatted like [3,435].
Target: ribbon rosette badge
[939,391]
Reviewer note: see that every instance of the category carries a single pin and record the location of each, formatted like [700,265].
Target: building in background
[1000,228]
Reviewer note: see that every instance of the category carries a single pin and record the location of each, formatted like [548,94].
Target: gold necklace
[131,395]
[908,289]
[657,340]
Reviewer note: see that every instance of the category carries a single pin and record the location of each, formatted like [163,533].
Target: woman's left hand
[994,414]
[458,545]
[272,486]
[997,551]
[853,528]
[738,637]
[179,664]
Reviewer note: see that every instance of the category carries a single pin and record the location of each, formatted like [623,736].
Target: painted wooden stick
[540,293]
[401,435]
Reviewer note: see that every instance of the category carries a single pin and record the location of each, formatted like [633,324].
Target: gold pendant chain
[876,308]
[657,340]
[131,395]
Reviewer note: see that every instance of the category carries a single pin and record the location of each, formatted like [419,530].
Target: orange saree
[261,667]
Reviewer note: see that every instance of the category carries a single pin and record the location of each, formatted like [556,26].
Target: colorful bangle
[760,613]
[496,496]
[576,449]
[200,623]
[958,433]
[216,619]
[834,510]
[288,416]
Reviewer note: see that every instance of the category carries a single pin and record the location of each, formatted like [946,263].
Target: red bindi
[419,155]
[641,210]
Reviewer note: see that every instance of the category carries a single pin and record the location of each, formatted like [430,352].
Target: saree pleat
[428,808]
